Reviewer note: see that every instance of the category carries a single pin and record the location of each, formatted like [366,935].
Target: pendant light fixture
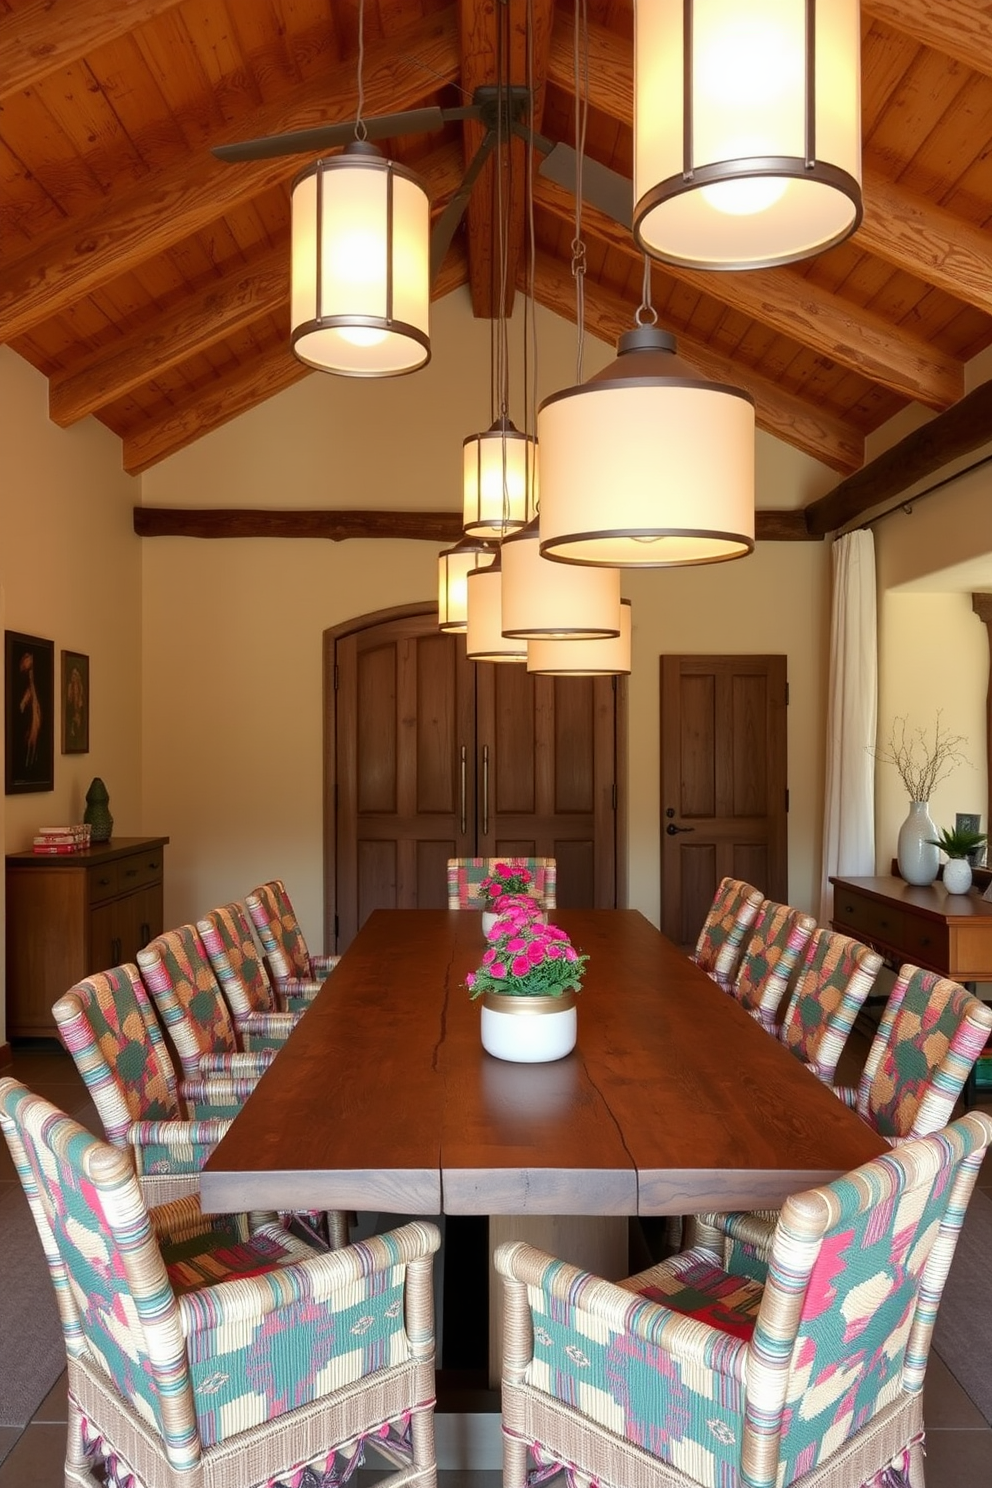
[484,640]
[747,129]
[500,480]
[360,299]
[592,658]
[555,599]
[453,568]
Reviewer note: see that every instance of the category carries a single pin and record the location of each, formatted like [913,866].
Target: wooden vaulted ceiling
[149,282]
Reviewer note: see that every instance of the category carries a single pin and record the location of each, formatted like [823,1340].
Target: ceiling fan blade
[328,136]
[601,187]
[446,224]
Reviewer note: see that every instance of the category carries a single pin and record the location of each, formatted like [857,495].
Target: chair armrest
[322,966]
[260,1031]
[174,1146]
[182,1219]
[848,1094]
[242,1065]
[739,1243]
[289,988]
[214,1097]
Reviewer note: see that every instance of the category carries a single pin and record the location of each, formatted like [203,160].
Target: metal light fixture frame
[602,656]
[488,514]
[453,568]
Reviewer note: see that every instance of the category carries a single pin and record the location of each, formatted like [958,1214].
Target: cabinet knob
[130,872]
[103,882]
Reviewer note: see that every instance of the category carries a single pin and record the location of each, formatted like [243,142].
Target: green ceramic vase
[97,811]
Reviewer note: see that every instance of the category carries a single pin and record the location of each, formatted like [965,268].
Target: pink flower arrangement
[506,878]
[527,958]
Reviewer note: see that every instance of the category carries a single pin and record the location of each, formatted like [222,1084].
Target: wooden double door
[433,756]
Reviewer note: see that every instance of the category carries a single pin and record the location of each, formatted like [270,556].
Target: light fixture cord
[503,195]
[580,65]
[361,132]
[646,313]
[530,305]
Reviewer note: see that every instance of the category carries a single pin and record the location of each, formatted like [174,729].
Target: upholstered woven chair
[779,937]
[835,976]
[690,1375]
[204,1353]
[295,971]
[729,921]
[177,972]
[230,945]
[170,1127]
[466,874]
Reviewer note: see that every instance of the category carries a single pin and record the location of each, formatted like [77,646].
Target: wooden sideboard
[70,916]
[947,933]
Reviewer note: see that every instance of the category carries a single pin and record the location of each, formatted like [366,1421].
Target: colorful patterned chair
[204,1353]
[779,937]
[466,874]
[170,1128]
[294,970]
[230,946]
[690,1375]
[721,941]
[835,976]
[177,972]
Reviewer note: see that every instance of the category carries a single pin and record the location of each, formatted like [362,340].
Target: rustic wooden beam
[959,28]
[207,408]
[982,606]
[198,189]
[338,526]
[963,428]
[42,36]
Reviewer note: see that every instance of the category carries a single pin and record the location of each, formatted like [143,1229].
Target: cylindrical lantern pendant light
[598,658]
[500,480]
[453,568]
[555,599]
[361,265]
[647,464]
[747,129]
[485,640]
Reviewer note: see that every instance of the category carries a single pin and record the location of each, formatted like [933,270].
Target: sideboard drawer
[927,943]
[885,924]
[852,912]
[103,882]
[141,869]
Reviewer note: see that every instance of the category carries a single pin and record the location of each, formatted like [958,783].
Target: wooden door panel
[574,746]
[376,752]
[576,861]
[723,782]
[512,738]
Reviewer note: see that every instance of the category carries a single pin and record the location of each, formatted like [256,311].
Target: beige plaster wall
[70,572]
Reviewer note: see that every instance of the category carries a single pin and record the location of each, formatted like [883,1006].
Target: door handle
[485,790]
[673,830]
[464,770]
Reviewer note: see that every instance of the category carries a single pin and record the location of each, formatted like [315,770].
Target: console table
[947,933]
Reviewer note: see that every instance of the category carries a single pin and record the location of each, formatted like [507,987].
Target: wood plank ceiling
[149,282]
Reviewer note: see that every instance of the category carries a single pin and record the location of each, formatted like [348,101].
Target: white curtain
[849,806]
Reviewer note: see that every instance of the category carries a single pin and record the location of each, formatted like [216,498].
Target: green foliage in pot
[957,842]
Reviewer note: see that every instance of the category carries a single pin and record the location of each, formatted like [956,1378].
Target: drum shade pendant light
[747,129]
[555,599]
[485,640]
[500,480]
[594,658]
[453,568]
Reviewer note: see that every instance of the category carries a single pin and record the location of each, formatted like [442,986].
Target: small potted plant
[958,843]
[528,979]
[506,879]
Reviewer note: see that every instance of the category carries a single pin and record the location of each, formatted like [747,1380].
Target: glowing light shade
[648,464]
[747,129]
[484,640]
[453,568]
[500,480]
[555,599]
[360,265]
[599,658]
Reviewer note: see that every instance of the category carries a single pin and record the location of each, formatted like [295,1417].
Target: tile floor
[959,1441]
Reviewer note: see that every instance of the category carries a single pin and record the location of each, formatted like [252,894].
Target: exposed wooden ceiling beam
[782,299]
[245,294]
[209,407]
[965,427]
[959,28]
[42,36]
[799,423]
[87,253]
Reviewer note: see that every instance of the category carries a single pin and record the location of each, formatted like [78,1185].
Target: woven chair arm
[265,1030]
[243,1065]
[322,966]
[215,1096]
[683,1338]
[287,987]
[848,1094]
[179,1133]
[182,1219]
[297,1002]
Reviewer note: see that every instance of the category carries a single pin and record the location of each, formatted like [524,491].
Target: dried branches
[922,763]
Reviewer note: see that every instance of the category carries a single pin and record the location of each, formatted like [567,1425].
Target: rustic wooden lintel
[426,526]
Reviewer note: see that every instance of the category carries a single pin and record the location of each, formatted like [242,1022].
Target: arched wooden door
[429,756]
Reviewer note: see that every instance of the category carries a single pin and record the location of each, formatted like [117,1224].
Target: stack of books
[57,840]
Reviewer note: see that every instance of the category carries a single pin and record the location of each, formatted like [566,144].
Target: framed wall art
[29,713]
[75,703]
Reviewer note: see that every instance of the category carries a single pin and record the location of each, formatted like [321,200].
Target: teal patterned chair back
[109,1027]
[780,936]
[930,1035]
[466,874]
[115,1301]
[230,945]
[729,921]
[835,977]
[177,972]
[279,931]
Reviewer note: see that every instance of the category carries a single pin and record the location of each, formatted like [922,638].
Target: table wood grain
[673,1101]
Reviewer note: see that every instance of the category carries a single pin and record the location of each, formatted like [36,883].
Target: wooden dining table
[674,1100]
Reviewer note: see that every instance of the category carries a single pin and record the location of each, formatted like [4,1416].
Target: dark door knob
[673,830]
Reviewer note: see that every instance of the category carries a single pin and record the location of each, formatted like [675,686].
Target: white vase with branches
[923,761]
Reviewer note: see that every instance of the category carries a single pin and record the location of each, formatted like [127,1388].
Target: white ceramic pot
[488,921]
[918,858]
[528,1030]
[957,875]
